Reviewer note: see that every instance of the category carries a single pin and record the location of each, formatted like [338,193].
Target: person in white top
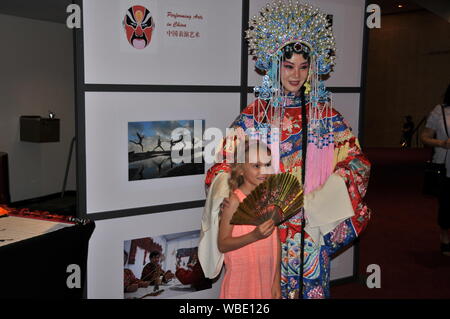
[435,134]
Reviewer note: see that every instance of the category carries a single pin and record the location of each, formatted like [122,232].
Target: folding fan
[280,197]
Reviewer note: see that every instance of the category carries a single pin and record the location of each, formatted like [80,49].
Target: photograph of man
[153,271]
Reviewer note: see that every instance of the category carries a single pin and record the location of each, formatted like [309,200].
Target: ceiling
[55,10]
[396,6]
[438,7]
[48,10]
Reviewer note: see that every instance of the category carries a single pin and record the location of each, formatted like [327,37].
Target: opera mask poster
[139,25]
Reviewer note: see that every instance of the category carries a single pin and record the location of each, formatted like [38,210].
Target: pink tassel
[319,166]
[310,168]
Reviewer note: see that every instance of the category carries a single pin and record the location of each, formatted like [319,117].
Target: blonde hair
[236,179]
[237,169]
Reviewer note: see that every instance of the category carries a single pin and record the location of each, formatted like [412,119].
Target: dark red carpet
[402,237]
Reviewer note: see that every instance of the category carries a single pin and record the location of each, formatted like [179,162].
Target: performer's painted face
[139,25]
[294,72]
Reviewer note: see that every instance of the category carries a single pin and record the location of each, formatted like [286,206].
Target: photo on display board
[163,266]
[165,149]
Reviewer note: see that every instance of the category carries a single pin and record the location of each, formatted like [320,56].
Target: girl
[251,254]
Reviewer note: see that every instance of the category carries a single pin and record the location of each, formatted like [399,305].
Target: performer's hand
[264,230]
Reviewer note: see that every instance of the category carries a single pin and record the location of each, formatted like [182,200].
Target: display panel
[108,115]
[165,266]
[154,151]
[162,42]
[210,57]
[106,250]
[348,105]
[342,266]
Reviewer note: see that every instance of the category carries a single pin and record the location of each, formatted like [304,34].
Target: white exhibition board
[194,42]
[342,266]
[107,118]
[348,27]
[348,105]
[213,58]
[106,246]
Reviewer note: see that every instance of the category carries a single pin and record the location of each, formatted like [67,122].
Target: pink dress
[250,270]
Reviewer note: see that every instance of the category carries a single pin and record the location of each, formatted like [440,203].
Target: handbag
[435,173]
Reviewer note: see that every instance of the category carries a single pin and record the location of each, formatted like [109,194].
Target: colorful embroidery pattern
[352,166]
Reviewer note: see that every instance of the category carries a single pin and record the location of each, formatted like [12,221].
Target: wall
[407,73]
[36,63]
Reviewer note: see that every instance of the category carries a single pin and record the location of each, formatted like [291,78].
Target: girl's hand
[264,230]
[225,204]
[276,291]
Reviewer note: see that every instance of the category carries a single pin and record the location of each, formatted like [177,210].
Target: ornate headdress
[282,23]
[301,28]
[308,29]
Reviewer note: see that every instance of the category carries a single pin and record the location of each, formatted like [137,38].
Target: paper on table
[14,229]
